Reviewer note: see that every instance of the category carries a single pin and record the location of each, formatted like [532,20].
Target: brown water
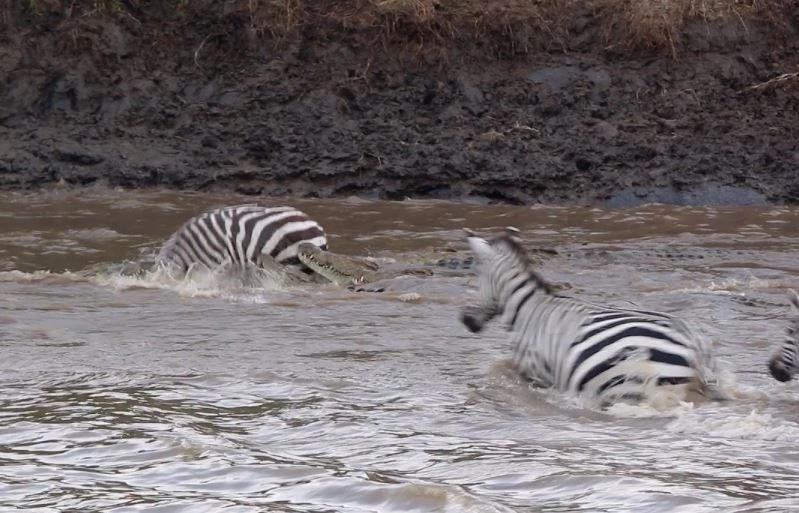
[120,394]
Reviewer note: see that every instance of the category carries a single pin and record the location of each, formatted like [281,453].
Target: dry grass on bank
[508,27]
[660,23]
[779,80]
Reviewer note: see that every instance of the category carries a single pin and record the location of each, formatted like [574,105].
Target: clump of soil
[558,101]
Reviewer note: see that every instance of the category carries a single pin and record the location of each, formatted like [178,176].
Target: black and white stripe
[242,234]
[577,347]
[784,363]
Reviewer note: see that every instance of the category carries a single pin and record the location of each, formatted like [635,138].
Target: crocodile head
[339,269]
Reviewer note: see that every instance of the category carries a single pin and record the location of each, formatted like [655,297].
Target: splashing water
[139,392]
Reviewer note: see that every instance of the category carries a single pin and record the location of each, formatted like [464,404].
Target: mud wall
[209,100]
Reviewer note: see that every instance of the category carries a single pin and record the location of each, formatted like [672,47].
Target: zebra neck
[525,295]
[528,283]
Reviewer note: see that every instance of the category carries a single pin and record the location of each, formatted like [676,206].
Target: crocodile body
[347,270]
[668,253]
[673,255]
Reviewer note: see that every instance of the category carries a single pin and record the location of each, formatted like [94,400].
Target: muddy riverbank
[566,111]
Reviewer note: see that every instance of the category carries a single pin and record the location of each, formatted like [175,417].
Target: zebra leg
[784,363]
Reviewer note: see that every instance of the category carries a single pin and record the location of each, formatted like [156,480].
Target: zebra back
[242,234]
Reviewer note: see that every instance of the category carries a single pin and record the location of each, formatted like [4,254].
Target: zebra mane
[509,242]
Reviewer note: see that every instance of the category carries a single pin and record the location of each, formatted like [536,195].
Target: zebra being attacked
[267,237]
[563,343]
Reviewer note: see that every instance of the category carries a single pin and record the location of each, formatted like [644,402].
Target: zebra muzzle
[779,372]
[473,318]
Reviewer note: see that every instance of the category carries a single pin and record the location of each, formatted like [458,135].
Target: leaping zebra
[241,234]
[784,363]
[560,342]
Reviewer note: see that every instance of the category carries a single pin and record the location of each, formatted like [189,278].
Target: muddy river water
[122,394]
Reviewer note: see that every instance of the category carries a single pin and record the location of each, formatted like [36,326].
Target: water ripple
[126,394]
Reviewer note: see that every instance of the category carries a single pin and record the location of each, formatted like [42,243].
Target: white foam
[757,426]
[659,401]
[194,284]
[15,275]
[93,234]
[732,286]
[220,283]
[669,401]
[666,405]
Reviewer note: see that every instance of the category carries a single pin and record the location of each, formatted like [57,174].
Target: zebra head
[784,362]
[502,262]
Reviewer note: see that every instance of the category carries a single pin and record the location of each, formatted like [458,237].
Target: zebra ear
[794,299]
[480,247]
[513,234]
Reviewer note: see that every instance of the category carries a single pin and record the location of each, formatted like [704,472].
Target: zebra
[576,347]
[784,363]
[267,237]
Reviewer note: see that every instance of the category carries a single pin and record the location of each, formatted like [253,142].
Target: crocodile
[668,253]
[318,266]
[671,254]
[356,273]
[348,270]
[352,272]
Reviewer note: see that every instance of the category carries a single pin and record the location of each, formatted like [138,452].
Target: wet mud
[90,101]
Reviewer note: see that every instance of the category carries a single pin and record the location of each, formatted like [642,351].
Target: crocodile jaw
[337,269]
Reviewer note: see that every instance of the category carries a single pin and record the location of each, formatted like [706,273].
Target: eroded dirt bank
[206,100]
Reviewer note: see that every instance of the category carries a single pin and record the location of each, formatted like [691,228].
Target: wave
[731,424]
[130,275]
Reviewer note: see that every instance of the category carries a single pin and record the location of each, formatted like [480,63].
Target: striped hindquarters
[623,349]
[240,234]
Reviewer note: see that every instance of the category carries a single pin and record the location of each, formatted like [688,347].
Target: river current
[121,393]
